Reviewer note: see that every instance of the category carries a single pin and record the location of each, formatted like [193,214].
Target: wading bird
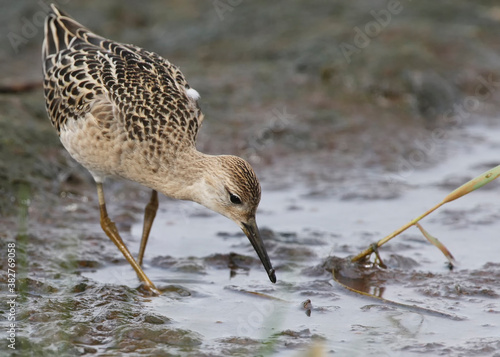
[122,111]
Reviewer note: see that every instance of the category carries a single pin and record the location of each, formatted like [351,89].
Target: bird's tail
[62,32]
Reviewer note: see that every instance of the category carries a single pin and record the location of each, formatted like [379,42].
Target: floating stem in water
[466,188]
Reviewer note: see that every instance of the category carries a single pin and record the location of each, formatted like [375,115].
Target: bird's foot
[148,289]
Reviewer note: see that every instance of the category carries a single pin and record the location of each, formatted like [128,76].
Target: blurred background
[288,85]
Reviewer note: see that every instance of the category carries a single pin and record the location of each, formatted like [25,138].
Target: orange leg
[149,216]
[109,228]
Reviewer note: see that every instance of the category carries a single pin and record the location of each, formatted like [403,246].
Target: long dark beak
[252,231]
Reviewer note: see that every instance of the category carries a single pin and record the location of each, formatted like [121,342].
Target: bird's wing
[85,73]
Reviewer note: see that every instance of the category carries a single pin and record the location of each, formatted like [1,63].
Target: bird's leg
[109,228]
[149,216]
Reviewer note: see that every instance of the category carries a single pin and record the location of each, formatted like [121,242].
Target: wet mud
[347,151]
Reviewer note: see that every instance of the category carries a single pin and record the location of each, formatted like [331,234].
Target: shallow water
[320,131]
[239,312]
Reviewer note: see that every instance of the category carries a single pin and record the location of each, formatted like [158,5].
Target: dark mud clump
[454,285]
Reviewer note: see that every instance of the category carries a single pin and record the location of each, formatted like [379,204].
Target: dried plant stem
[20,87]
[466,188]
[384,240]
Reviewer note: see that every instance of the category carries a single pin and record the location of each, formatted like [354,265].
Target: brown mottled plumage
[126,112]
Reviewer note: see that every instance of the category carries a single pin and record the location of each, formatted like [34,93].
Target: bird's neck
[182,178]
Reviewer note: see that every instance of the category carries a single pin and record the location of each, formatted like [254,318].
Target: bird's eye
[235,199]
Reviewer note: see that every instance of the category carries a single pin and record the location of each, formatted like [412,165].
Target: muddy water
[237,311]
[327,193]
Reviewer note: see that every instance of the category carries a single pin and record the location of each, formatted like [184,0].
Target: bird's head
[231,188]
